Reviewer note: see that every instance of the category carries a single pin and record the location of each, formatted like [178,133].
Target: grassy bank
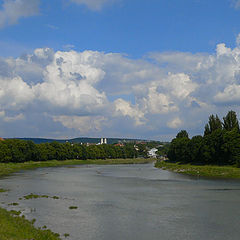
[8,168]
[17,228]
[203,171]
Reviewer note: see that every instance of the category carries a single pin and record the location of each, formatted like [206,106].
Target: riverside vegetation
[19,151]
[215,154]
[211,171]
[14,227]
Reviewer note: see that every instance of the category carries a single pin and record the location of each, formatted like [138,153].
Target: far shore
[209,171]
[8,168]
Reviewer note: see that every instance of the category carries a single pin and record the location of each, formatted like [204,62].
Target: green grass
[35,196]
[8,168]
[13,204]
[3,190]
[14,227]
[66,235]
[16,213]
[73,207]
[18,228]
[203,171]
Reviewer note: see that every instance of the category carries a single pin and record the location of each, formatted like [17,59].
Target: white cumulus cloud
[124,108]
[70,93]
[69,83]
[14,93]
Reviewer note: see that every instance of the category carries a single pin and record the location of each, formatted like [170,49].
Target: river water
[127,202]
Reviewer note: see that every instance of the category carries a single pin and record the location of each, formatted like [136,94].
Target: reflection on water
[127,202]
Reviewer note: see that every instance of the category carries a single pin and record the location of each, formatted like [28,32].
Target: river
[126,202]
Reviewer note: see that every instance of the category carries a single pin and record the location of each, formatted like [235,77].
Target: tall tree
[179,150]
[213,124]
[182,134]
[207,130]
[230,122]
[231,147]
[195,145]
[211,149]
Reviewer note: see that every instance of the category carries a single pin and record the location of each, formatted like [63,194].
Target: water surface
[127,202]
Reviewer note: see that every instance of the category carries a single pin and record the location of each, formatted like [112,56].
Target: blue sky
[133,27]
[72,68]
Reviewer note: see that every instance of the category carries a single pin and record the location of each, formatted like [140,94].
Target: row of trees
[13,150]
[220,143]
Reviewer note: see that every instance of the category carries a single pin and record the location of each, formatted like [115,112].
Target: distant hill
[82,140]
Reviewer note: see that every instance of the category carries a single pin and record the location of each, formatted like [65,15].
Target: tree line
[220,143]
[15,150]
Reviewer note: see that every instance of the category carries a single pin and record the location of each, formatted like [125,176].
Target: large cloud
[13,10]
[70,93]
[14,93]
[69,82]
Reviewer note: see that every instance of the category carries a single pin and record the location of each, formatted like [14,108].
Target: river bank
[8,168]
[229,172]
[15,227]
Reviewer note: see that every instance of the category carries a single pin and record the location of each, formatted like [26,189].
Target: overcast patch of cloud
[84,124]
[95,5]
[96,93]
[13,10]
[175,123]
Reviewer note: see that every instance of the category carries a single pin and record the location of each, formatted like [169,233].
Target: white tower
[101,141]
[105,141]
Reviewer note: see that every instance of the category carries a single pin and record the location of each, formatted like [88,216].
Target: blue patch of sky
[126,97]
[135,27]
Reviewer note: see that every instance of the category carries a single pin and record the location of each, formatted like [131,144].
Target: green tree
[179,151]
[5,152]
[182,134]
[195,146]
[230,121]
[42,151]
[211,150]
[213,124]
[231,147]
[142,150]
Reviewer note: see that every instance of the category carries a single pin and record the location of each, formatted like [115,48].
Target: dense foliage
[14,150]
[220,144]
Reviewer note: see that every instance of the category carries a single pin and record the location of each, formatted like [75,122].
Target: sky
[117,68]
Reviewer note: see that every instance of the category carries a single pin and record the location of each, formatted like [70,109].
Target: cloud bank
[91,93]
